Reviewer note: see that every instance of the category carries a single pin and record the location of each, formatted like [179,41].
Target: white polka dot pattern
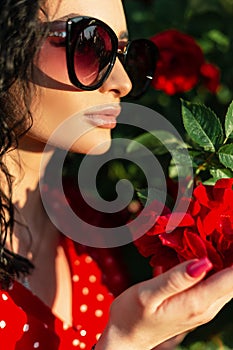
[92,279]
[2,324]
[98,313]
[83,308]
[75,342]
[26,327]
[83,333]
[39,329]
[100,297]
[4,297]
[85,291]
[88,259]
[75,278]
[93,301]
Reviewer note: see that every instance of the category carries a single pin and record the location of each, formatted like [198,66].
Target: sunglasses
[92,48]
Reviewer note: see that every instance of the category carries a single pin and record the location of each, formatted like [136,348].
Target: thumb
[174,281]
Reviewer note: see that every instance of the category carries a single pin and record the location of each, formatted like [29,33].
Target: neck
[24,165]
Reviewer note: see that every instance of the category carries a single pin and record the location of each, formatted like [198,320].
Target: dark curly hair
[20,37]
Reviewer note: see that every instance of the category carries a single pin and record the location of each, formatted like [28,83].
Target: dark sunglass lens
[92,54]
[140,64]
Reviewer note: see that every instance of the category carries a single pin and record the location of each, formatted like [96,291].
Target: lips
[103,117]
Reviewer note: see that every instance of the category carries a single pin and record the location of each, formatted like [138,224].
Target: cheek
[51,117]
[52,107]
[97,141]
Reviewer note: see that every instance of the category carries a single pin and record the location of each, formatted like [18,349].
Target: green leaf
[218,174]
[221,174]
[210,182]
[225,154]
[229,120]
[202,125]
[219,38]
[159,142]
[142,195]
[147,196]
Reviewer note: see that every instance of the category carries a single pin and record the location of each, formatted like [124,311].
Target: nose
[118,82]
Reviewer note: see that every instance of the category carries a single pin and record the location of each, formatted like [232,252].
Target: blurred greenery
[210,23]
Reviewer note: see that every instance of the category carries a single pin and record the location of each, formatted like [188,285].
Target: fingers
[194,307]
[219,285]
[168,305]
[202,302]
[174,281]
[217,306]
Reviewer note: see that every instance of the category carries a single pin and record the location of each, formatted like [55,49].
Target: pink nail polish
[197,268]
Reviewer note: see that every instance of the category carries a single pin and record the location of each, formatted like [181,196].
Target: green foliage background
[210,23]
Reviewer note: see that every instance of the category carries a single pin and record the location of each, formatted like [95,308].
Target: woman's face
[55,103]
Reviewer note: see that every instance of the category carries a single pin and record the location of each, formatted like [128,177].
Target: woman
[47,310]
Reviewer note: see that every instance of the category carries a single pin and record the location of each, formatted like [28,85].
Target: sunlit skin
[147,313]
[54,106]
[50,108]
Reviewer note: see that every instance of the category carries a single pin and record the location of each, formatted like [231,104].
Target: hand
[151,312]
[172,343]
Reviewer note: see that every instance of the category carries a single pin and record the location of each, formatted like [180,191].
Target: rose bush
[182,65]
[205,230]
[209,23]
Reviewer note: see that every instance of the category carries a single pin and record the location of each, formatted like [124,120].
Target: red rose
[210,75]
[206,230]
[182,64]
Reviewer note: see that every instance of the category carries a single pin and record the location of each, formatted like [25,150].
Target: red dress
[26,323]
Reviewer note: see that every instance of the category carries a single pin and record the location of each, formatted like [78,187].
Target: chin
[92,147]
[95,142]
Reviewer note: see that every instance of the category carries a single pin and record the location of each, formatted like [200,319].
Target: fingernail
[197,268]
